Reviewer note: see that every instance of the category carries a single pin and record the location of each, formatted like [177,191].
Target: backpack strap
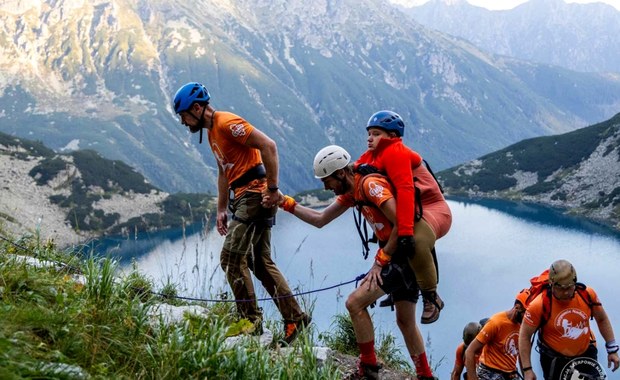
[580,289]
[360,221]
[433,174]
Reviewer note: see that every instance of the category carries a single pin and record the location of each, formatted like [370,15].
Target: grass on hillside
[54,327]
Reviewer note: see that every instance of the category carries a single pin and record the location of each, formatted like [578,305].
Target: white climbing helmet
[330,159]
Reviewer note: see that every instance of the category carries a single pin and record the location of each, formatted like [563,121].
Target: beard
[519,316]
[194,128]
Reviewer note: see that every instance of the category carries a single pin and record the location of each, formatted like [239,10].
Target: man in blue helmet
[248,167]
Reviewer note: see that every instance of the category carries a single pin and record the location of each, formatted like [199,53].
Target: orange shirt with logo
[500,337]
[375,190]
[227,139]
[568,329]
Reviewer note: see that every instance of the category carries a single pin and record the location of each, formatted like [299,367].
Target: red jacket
[397,161]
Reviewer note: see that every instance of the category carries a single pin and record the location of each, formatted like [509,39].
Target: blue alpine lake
[489,255]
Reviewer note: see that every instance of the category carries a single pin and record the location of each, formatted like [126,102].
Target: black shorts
[399,280]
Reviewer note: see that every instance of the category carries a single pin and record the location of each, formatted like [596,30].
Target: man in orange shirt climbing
[391,273]
[469,333]
[248,167]
[561,313]
[499,342]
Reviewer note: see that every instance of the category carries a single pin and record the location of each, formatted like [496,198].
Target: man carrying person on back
[423,215]
[390,272]
[561,314]
[247,166]
[498,340]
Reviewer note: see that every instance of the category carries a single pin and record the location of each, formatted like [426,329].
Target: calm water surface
[491,252]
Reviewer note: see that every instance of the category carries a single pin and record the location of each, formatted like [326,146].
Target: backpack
[540,284]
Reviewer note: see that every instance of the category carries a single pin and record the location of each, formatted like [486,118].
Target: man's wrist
[525,369]
[273,188]
[612,347]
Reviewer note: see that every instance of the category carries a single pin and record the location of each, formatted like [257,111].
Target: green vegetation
[47,169]
[54,327]
[32,148]
[109,175]
[541,155]
[79,318]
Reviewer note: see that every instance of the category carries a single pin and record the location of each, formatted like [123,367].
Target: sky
[507,4]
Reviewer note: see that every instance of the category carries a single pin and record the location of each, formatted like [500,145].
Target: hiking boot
[432,307]
[365,372]
[292,329]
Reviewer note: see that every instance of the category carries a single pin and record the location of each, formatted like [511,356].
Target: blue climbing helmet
[387,120]
[188,94]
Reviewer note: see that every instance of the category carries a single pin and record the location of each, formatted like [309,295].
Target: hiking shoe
[365,372]
[432,307]
[292,329]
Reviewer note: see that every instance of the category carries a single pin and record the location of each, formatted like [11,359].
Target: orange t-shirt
[568,329]
[227,139]
[500,337]
[460,356]
[374,190]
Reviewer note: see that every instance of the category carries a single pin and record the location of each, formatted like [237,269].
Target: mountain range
[578,172]
[100,75]
[72,197]
[580,37]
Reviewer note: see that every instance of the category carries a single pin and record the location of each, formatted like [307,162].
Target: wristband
[382,258]
[612,347]
[273,188]
[289,204]
[526,369]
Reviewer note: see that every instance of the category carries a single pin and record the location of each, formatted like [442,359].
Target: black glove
[405,246]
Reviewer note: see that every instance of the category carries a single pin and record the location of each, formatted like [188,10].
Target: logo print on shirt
[511,347]
[219,156]
[573,322]
[237,130]
[375,190]
[376,226]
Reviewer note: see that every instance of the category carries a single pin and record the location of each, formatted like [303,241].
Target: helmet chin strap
[200,122]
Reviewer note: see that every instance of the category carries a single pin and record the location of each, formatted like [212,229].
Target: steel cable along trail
[76,270]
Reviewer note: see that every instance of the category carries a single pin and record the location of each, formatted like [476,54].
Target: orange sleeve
[376,190]
[346,200]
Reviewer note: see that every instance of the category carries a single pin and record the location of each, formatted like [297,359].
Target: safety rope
[356,279]
[167,296]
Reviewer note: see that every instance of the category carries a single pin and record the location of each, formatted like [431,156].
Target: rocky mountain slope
[581,37]
[100,74]
[577,171]
[69,198]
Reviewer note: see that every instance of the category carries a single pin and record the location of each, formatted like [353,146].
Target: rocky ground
[25,207]
[348,364]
